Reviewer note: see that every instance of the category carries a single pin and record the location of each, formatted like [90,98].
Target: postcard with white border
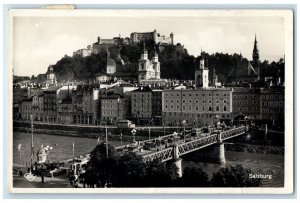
[150,101]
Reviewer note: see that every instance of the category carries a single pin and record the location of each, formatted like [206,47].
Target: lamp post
[106,141]
[118,101]
[216,116]
[133,132]
[121,138]
[149,132]
[174,137]
[184,123]
[247,118]
[48,148]
[31,156]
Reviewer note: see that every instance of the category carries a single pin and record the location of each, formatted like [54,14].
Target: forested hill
[175,61]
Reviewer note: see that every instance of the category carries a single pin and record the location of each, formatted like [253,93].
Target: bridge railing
[144,141]
[162,155]
[187,147]
[233,132]
[197,144]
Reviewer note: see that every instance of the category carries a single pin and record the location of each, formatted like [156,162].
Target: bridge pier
[219,151]
[177,161]
[178,167]
[219,154]
[214,153]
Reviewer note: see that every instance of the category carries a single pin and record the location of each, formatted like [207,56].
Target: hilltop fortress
[135,38]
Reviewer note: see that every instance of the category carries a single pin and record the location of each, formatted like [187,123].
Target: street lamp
[174,137]
[216,116]
[246,118]
[121,138]
[31,156]
[184,123]
[149,132]
[133,132]
[106,141]
[118,101]
[48,148]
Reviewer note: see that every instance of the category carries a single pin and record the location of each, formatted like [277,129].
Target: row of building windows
[112,113]
[245,96]
[245,109]
[141,95]
[196,101]
[142,100]
[114,106]
[218,108]
[244,102]
[194,115]
[272,96]
[190,94]
[272,103]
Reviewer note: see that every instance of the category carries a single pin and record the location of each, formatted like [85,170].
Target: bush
[234,176]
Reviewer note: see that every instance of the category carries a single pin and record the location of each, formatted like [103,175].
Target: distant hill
[175,61]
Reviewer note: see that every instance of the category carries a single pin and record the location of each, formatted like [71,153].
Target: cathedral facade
[148,69]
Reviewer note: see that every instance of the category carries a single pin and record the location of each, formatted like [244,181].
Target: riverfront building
[272,104]
[85,102]
[246,102]
[50,104]
[64,110]
[196,106]
[114,107]
[146,105]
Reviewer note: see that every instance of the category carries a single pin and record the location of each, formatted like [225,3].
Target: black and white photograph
[151,101]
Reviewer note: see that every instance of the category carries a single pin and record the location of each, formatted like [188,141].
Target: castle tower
[172,38]
[201,74]
[255,58]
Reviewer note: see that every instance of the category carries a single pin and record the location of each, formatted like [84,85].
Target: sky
[41,41]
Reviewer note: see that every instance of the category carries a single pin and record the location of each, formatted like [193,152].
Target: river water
[62,146]
[270,164]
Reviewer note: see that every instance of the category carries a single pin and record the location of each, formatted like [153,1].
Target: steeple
[145,50]
[255,54]
[155,57]
[144,55]
[255,58]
